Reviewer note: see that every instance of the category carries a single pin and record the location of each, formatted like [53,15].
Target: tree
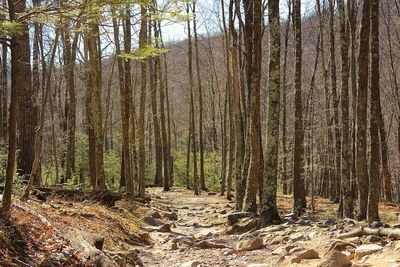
[362,92]
[192,110]
[254,9]
[20,69]
[375,116]
[269,211]
[298,153]
[347,197]
[142,108]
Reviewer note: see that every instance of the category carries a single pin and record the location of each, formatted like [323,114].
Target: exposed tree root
[388,232]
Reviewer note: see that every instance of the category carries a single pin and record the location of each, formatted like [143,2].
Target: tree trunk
[361,160]
[20,70]
[374,165]
[269,210]
[142,108]
[298,154]
[347,198]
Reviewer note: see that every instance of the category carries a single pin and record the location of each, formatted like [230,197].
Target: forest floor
[177,228]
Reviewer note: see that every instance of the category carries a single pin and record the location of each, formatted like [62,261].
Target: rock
[236,216]
[258,265]
[152,221]
[156,215]
[250,244]
[209,244]
[373,239]
[56,259]
[174,246]
[184,240]
[335,259]
[330,222]
[277,240]
[292,216]
[245,225]
[355,240]
[223,212]
[171,216]
[376,224]
[303,222]
[297,237]
[305,255]
[166,228]
[193,263]
[367,250]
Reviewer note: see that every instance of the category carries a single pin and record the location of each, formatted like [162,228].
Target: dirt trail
[198,237]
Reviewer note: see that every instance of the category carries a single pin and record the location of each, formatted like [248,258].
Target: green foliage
[8,27]
[141,54]
[3,161]
[212,171]
[112,168]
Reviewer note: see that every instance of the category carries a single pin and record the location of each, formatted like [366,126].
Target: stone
[205,244]
[335,259]
[171,216]
[223,212]
[368,249]
[250,244]
[192,263]
[258,265]
[376,224]
[305,255]
[184,240]
[152,221]
[297,237]
[330,221]
[373,239]
[156,215]
[244,225]
[303,222]
[277,240]
[166,228]
[174,246]
[234,217]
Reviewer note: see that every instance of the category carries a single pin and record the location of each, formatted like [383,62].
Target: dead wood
[387,232]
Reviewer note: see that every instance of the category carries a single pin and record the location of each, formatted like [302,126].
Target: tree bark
[269,210]
[361,160]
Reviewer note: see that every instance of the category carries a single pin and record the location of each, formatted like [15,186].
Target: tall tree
[254,9]
[200,95]
[125,103]
[345,106]
[375,116]
[335,100]
[269,211]
[298,153]
[192,110]
[95,89]
[142,108]
[362,96]
[20,69]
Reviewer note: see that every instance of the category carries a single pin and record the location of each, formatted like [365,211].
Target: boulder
[156,215]
[305,255]
[335,259]
[250,244]
[368,249]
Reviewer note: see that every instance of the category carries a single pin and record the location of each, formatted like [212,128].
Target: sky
[174,31]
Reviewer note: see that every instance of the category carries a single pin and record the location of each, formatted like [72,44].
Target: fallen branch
[388,232]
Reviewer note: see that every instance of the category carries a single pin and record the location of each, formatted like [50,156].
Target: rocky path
[188,230]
